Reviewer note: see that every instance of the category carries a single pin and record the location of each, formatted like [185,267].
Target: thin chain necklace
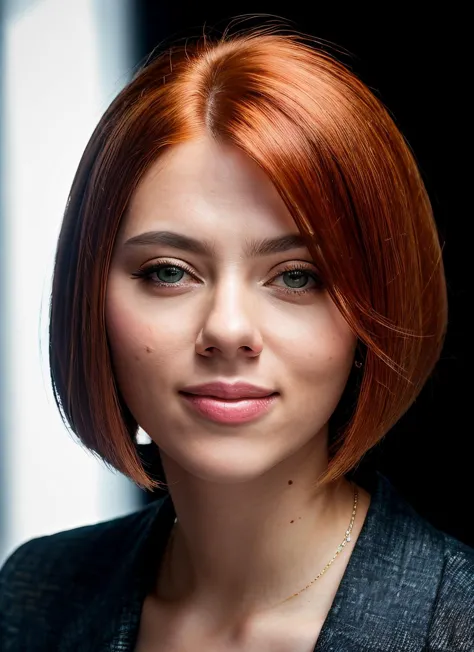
[347,538]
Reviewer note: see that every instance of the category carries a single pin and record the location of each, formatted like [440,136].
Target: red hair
[348,179]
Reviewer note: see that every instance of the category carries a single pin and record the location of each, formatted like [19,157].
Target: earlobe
[359,356]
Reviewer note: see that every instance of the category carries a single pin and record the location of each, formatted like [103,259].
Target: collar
[372,609]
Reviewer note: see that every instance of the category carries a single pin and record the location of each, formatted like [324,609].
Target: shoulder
[46,578]
[64,552]
[420,579]
[452,624]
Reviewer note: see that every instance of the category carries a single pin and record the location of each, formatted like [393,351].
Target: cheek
[142,342]
[321,349]
[136,328]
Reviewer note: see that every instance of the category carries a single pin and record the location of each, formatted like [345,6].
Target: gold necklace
[347,538]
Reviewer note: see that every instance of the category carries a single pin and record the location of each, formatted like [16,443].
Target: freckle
[137,357]
[290,481]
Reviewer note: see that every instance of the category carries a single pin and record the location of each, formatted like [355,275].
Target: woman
[248,269]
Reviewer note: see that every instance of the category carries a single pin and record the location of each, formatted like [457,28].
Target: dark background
[419,68]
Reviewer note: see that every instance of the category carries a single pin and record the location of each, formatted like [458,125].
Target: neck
[245,547]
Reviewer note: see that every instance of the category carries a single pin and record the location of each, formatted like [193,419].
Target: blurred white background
[63,63]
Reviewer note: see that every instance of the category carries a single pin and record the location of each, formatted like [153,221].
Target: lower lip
[230,411]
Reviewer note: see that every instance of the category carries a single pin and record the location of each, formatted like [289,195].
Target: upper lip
[228,390]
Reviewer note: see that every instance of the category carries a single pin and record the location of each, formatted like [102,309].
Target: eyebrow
[253,248]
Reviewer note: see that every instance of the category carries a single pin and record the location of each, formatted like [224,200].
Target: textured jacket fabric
[407,587]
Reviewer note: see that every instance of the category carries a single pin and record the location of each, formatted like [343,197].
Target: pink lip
[230,410]
[220,389]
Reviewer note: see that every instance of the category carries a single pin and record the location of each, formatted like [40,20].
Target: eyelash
[146,272]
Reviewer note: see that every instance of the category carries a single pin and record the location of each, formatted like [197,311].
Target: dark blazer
[407,587]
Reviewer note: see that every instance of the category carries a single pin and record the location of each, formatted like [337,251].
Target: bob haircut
[346,175]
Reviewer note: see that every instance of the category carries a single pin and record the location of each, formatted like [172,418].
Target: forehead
[206,161]
[203,185]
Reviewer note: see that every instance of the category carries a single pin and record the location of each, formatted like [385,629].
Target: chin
[233,468]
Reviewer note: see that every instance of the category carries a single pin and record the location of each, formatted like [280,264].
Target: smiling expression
[195,295]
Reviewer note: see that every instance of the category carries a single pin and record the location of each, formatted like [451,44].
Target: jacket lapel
[386,596]
[108,618]
[384,600]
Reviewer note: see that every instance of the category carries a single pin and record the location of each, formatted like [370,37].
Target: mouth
[229,400]
[229,410]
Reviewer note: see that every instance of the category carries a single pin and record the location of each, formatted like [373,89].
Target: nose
[230,328]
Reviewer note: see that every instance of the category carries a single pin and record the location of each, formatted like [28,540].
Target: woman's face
[221,316]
